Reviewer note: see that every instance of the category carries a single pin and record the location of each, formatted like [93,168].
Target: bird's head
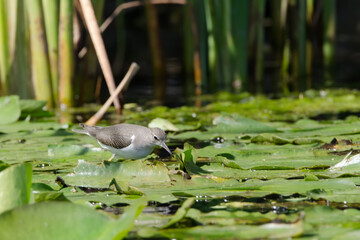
[159,138]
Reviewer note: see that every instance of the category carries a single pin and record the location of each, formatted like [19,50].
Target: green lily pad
[63,220]
[65,150]
[34,108]
[15,186]
[180,213]
[269,230]
[269,138]
[136,173]
[229,123]
[9,109]
[187,158]
[29,126]
[31,105]
[163,124]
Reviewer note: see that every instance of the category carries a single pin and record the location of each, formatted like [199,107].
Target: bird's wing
[106,136]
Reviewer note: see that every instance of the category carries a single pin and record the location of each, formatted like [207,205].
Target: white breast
[130,152]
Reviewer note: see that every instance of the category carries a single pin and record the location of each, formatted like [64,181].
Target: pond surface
[244,167]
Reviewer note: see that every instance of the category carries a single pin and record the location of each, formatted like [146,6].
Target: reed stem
[66,54]
[40,65]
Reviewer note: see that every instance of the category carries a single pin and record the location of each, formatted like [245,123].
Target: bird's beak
[163,144]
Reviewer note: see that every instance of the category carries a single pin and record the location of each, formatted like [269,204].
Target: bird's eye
[156,138]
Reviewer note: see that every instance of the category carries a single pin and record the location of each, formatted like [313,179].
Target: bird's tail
[89,130]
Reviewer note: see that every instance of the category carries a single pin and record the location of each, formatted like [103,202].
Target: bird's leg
[112,157]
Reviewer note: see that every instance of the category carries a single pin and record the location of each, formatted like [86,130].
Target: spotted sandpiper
[127,141]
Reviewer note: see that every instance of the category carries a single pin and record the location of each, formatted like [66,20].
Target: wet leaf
[9,109]
[123,187]
[136,173]
[33,108]
[66,221]
[3,165]
[235,217]
[269,230]
[64,150]
[226,162]
[180,213]
[311,177]
[31,105]
[15,186]
[29,126]
[229,123]
[163,124]
[269,138]
[187,159]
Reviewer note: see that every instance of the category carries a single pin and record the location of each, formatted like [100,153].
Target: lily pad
[187,159]
[163,124]
[230,123]
[15,186]
[66,221]
[64,150]
[9,109]
[137,173]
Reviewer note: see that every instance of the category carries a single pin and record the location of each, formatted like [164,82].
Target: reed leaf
[278,18]
[189,48]
[309,48]
[259,63]
[294,49]
[222,73]
[158,60]
[301,44]
[40,65]
[200,18]
[119,22]
[285,68]
[51,17]
[20,68]
[212,54]
[329,19]
[66,58]
[239,28]
[4,50]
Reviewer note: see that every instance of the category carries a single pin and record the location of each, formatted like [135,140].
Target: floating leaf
[230,123]
[35,108]
[136,173]
[311,177]
[269,230]
[65,150]
[269,138]
[187,159]
[226,162]
[9,109]
[66,221]
[15,186]
[163,124]
[29,126]
[235,217]
[123,187]
[3,165]
[180,213]
[31,105]
[302,141]
[49,196]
